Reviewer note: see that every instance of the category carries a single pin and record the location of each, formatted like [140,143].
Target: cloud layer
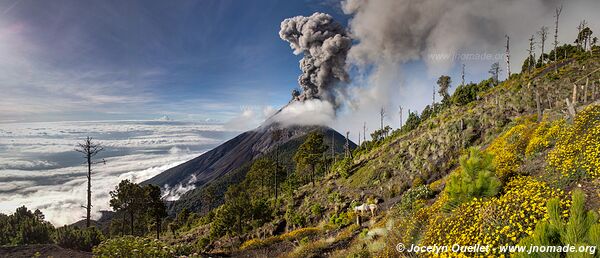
[39,168]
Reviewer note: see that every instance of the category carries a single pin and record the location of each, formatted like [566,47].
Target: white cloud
[41,170]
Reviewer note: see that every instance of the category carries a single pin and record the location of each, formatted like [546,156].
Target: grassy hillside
[409,170]
[494,164]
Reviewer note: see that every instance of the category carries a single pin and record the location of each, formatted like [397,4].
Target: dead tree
[433,101]
[364,131]
[89,148]
[494,72]
[582,25]
[530,51]
[585,89]
[381,116]
[462,76]
[543,33]
[507,59]
[400,107]
[333,146]
[347,152]
[558,11]
[538,104]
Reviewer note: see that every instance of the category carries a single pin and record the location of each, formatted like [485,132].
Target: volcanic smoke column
[325,44]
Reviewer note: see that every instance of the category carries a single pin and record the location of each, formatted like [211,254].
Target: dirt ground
[54,251]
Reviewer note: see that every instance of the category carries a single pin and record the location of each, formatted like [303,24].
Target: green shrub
[317,209]
[581,229]
[79,239]
[410,198]
[475,178]
[130,246]
[341,219]
[25,227]
[342,167]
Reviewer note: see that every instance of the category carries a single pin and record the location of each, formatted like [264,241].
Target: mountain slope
[210,195]
[237,153]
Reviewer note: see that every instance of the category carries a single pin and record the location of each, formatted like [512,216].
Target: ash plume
[325,45]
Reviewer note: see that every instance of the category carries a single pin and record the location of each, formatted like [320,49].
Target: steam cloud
[388,34]
[325,44]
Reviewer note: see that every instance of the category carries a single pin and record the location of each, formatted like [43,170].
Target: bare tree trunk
[594,91]
[89,149]
[157,227]
[538,105]
[558,11]
[507,57]
[463,75]
[123,224]
[571,109]
[131,221]
[585,90]
[89,191]
[574,98]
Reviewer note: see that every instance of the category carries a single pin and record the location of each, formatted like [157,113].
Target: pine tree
[476,178]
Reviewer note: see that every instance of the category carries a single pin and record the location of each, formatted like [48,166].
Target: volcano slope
[539,152]
[212,172]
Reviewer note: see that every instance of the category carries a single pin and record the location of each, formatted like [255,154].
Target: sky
[161,82]
[223,61]
[189,60]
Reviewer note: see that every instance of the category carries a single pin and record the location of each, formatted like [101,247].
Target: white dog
[361,208]
[373,208]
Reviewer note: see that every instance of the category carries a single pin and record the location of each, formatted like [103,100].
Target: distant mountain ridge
[238,152]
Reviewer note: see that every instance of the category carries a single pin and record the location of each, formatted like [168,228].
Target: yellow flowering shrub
[578,147]
[509,148]
[292,235]
[495,221]
[544,136]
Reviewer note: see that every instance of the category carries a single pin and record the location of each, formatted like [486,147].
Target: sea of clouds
[40,169]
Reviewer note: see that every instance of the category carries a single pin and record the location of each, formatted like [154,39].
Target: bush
[300,233]
[577,150]
[544,137]
[342,167]
[465,94]
[509,148]
[130,246]
[497,221]
[475,178]
[581,229]
[342,219]
[317,209]
[410,198]
[79,239]
[25,227]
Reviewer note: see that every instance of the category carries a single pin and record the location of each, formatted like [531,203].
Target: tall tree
[494,72]
[381,116]
[557,15]
[580,38]
[543,33]
[260,175]
[310,154]
[444,84]
[128,198]
[507,53]
[89,148]
[400,111]
[155,206]
[276,135]
[531,58]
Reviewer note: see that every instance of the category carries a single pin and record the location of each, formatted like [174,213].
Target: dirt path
[43,250]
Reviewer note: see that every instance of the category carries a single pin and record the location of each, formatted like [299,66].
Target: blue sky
[143,59]
[213,60]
